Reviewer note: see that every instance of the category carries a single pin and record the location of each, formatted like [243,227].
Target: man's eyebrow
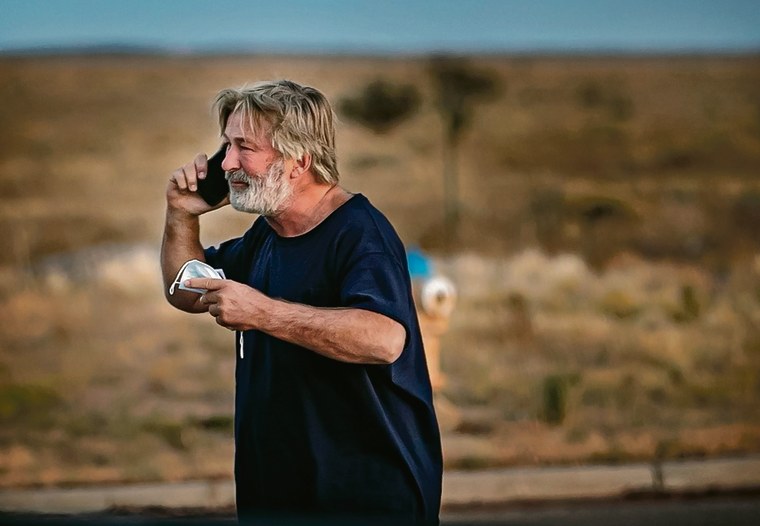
[235,139]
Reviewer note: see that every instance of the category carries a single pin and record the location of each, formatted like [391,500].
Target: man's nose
[230,163]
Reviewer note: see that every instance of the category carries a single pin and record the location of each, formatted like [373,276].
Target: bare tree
[458,87]
[381,105]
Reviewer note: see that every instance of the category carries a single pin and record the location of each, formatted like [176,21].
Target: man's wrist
[177,216]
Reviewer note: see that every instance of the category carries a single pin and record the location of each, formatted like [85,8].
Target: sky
[384,26]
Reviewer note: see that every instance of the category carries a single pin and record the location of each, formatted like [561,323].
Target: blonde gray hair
[298,120]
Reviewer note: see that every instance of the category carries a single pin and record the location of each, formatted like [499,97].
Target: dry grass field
[607,258]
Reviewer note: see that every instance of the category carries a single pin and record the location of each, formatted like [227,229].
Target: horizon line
[118,48]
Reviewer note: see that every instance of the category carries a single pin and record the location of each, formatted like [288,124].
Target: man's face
[255,171]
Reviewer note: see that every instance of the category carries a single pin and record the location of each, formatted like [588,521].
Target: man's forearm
[346,334]
[180,243]
[349,335]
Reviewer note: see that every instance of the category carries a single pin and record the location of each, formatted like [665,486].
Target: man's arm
[180,244]
[181,241]
[348,335]
[344,334]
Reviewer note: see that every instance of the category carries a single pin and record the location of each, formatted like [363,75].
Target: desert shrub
[658,395]
[88,424]
[594,209]
[675,376]
[590,94]
[471,463]
[169,431]
[608,225]
[220,423]
[608,96]
[689,308]
[381,105]
[675,158]
[620,304]
[554,399]
[745,212]
[27,404]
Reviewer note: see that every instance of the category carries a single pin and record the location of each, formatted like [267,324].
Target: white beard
[267,193]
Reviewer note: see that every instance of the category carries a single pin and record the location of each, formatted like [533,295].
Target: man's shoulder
[361,212]
[360,217]
[363,229]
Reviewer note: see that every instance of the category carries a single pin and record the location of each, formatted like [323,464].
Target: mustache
[238,176]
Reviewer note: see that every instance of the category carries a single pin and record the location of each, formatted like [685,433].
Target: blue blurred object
[420,266]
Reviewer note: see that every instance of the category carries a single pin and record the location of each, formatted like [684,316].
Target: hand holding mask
[195,269]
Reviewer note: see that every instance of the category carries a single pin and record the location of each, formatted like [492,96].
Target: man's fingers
[209,298]
[205,283]
[191,176]
[178,176]
[201,165]
[187,176]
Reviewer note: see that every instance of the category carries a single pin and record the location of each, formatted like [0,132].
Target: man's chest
[304,274]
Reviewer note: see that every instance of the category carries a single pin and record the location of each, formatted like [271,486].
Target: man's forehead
[240,126]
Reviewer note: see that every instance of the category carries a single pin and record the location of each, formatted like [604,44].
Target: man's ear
[302,165]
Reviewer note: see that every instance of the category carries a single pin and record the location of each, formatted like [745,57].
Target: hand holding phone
[214,188]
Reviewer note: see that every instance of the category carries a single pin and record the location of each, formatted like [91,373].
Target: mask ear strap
[177,279]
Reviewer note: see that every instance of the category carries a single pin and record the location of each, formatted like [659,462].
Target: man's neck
[309,208]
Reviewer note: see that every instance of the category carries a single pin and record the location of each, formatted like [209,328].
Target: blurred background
[586,173]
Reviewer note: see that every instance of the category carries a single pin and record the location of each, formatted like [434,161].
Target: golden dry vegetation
[607,258]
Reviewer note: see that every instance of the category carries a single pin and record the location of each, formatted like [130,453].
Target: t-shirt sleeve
[377,282]
[227,257]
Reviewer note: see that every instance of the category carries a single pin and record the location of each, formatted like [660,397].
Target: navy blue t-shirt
[315,435]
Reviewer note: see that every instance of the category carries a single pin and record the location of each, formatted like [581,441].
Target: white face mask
[195,269]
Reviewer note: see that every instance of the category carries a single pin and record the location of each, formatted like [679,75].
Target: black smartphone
[214,188]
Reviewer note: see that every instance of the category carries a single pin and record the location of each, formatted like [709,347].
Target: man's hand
[345,334]
[182,190]
[233,305]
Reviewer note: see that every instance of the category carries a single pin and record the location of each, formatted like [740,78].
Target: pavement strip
[460,488]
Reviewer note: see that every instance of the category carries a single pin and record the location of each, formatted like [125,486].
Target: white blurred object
[195,269]
[438,297]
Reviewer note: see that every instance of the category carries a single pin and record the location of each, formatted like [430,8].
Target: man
[333,413]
